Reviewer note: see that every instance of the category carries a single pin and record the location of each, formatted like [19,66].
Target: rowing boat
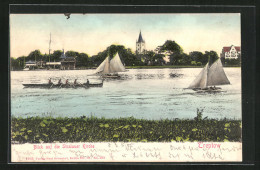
[47,85]
[52,85]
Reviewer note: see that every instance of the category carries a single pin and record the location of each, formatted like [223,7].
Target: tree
[96,60]
[14,64]
[126,55]
[45,57]
[130,58]
[34,56]
[199,58]
[186,59]
[212,56]
[159,59]
[18,63]
[180,59]
[232,62]
[222,60]
[56,55]
[173,49]
[151,58]
[170,47]
[72,54]
[82,60]
[113,49]
[175,58]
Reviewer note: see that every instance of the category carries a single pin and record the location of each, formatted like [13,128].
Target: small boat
[61,85]
[110,68]
[93,84]
[45,85]
[211,76]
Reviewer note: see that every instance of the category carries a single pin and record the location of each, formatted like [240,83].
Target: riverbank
[92,129]
[136,67]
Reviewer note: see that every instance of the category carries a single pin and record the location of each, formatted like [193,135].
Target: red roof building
[232,52]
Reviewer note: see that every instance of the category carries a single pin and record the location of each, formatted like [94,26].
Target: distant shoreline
[137,67]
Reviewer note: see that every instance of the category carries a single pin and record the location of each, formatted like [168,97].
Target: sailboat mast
[50,49]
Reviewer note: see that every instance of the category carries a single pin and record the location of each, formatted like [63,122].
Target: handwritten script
[128,152]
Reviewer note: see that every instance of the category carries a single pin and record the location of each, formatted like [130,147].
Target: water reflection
[149,76]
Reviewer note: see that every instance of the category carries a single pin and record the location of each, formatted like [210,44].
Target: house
[53,65]
[232,52]
[41,64]
[67,63]
[30,65]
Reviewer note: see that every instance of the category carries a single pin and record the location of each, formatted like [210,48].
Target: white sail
[112,66]
[216,75]
[101,66]
[106,67]
[210,76]
[201,79]
[116,65]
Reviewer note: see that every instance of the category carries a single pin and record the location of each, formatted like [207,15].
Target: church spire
[140,39]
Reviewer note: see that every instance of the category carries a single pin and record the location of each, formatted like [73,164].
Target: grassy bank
[92,129]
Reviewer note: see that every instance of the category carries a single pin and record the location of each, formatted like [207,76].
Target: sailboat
[110,68]
[211,76]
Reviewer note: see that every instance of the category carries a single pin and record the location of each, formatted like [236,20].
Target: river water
[141,93]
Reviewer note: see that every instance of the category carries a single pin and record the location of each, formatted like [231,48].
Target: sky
[93,33]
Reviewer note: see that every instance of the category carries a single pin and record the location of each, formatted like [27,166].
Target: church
[140,45]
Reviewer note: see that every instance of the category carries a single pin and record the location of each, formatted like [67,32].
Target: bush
[193,63]
[199,63]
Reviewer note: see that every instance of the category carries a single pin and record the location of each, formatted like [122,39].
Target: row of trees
[82,59]
[177,57]
[19,63]
[127,56]
[169,49]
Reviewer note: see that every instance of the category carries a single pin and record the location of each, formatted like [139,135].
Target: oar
[83,85]
[51,85]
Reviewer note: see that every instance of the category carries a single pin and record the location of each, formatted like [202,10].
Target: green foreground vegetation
[92,129]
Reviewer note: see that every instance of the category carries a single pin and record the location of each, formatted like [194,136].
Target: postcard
[125,87]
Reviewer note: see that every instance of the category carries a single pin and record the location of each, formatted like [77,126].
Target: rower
[50,81]
[75,81]
[59,82]
[67,81]
[87,82]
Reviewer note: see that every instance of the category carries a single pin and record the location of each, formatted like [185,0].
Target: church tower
[140,45]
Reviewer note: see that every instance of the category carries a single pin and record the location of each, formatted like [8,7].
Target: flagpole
[50,49]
